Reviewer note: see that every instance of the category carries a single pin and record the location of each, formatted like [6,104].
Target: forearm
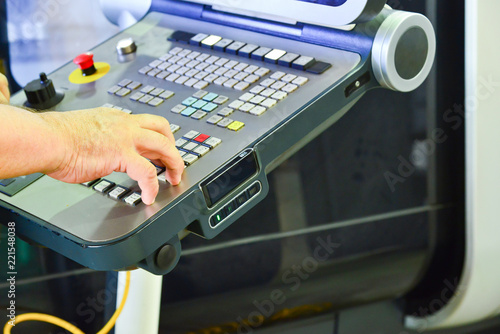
[29,143]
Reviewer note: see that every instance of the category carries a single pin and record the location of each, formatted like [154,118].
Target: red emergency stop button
[85,62]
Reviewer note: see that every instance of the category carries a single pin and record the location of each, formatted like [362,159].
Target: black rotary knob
[41,93]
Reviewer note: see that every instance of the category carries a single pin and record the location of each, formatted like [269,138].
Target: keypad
[194,145]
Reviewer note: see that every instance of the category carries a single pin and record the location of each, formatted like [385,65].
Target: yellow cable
[66,325]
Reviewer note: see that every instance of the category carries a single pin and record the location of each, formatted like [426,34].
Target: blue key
[199,104]
[210,97]
[189,101]
[188,111]
[209,107]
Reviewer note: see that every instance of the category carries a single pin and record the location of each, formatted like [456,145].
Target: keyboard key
[230,64]
[153,72]
[241,66]
[220,81]
[225,122]
[174,59]
[162,177]
[278,85]
[221,62]
[246,97]
[247,50]
[181,80]
[196,40]
[154,64]
[156,91]
[189,101]
[268,92]
[212,142]
[193,55]
[193,64]
[125,82]
[201,66]
[178,108]
[268,103]
[241,86]
[114,89]
[134,85]
[279,96]
[231,73]
[210,41]
[211,68]
[180,142]
[288,78]
[267,82]
[212,60]
[118,192]
[107,105]
[199,115]
[273,56]
[201,150]
[303,62]
[222,44]
[260,53]
[103,186]
[236,126]
[174,128]
[199,104]
[117,108]
[166,57]
[214,119]
[173,68]
[300,81]
[230,83]
[155,102]
[247,107]
[221,71]
[258,110]
[211,78]
[234,47]
[188,111]
[123,92]
[183,70]
[262,71]
[287,59]
[144,70]
[210,97]
[221,100]
[200,85]
[191,134]
[236,104]
[89,183]
[167,94]
[209,107]
[257,100]
[183,61]
[191,82]
[162,75]
[146,98]
[200,94]
[164,66]
[240,76]
[201,138]
[257,89]
[136,96]
[290,88]
[250,69]
[172,77]
[147,89]
[175,50]
[225,112]
[203,57]
[127,111]
[189,159]
[133,199]
[201,75]
[277,75]
[318,67]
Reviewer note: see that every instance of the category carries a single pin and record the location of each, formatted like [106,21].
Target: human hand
[96,142]
[4,89]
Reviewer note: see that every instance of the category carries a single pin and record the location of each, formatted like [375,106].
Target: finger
[4,89]
[155,123]
[142,171]
[156,146]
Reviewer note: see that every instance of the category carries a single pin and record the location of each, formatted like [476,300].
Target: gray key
[124,82]
[225,112]
[156,91]
[225,122]
[114,89]
[155,102]
[214,119]
[198,115]
[136,96]
[234,47]
[146,98]
[167,94]
[122,92]
[134,85]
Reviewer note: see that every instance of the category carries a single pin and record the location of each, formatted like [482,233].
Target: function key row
[262,53]
[150,95]
[114,191]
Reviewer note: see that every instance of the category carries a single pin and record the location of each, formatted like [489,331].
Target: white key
[174,59]
[220,99]
[246,97]
[247,107]
[277,75]
[167,94]
[174,128]
[173,68]
[236,104]
[155,63]
[191,82]
[225,122]
[175,50]
[210,78]
[183,61]
[241,86]
[180,142]
[193,55]
[231,64]
[162,75]
[262,71]
[212,59]
[258,99]
[214,119]
[155,102]
[278,85]
[267,82]
[201,66]
[212,68]
[164,66]
[133,199]
[200,75]
[213,142]
[257,89]
[189,158]
[199,94]
[203,57]
[230,83]
[200,85]
[172,77]
[182,70]
[258,110]
[181,80]
[252,78]
[184,53]
[178,108]
[221,62]
[192,73]
[241,76]
[147,89]
[279,95]
[191,134]
[109,105]
[230,73]
[288,78]
[290,88]
[268,92]
[201,150]
[221,71]
[241,66]
[268,103]
[162,177]
[225,112]
[220,81]
[166,57]
[193,64]
[300,81]
[250,69]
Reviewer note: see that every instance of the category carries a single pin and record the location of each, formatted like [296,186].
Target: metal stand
[141,313]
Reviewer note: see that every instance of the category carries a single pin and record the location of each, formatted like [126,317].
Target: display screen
[221,184]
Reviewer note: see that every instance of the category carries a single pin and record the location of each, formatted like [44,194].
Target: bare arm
[83,145]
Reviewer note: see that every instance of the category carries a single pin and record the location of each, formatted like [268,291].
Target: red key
[201,138]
